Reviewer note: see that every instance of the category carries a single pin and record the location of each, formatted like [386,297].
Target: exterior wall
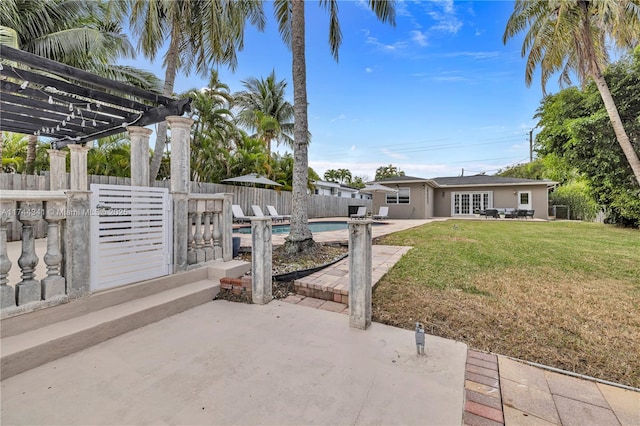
[504,197]
[416,209]
[430,210]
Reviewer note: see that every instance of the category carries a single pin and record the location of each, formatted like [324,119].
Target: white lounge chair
[238,214]
[257,211]
[360,214]
[274,214]
[383,213]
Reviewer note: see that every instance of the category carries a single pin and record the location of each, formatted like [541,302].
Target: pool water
[313,226]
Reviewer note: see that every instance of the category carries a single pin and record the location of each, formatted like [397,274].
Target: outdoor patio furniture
[530,213]
[360,214]
[510,213]
[383,213]
[522,213]
[238,214]
[492,213]
[257,211]
[274,213]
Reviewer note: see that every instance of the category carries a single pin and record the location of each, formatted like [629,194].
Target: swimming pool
[313,226]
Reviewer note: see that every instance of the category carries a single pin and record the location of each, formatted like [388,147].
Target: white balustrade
[206,233]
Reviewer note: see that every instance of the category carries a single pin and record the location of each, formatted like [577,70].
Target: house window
[403,196]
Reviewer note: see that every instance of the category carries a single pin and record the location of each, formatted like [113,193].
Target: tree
[76,33]
[198,32]
[576,131]
[213,130]
[570,35]
[385,172]
[263,108]
[291,23]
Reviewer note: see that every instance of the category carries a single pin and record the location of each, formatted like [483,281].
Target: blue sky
[438,93]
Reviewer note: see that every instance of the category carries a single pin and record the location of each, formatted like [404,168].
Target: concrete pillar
[57,169]
[226,225]
[54,284]
[28,290]
[180,175]
[77,244]
[78,167]
[139,155]
[360,273]
[261,260]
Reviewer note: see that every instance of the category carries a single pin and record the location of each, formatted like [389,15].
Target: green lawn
[564,294]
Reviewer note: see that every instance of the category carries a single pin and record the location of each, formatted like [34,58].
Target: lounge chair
[360,214]
[238,214]
[274,214]
[257,211]
[531,213]
[492,213]
[383,213]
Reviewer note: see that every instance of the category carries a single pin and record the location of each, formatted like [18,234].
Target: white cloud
[419,37]
[393,155]
[340,117]
[368,69]
[474,55]
[394,47]
[353,147]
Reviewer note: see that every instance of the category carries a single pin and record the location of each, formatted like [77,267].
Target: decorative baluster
[54,284]
[28,290]
[208,244]
[191,253]
[7,294]
[199,247]
[217,242]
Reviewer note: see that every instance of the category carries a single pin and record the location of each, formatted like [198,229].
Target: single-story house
[418,198]
[338,190]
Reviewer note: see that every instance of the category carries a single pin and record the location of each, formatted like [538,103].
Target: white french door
[465,203]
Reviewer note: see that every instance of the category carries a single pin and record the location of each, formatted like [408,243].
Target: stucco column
[360,273]
[227,228]
[139,155]
[57,169]
[261,260]
[180,174]
[78,167]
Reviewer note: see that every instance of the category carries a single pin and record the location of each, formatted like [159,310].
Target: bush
[577,196]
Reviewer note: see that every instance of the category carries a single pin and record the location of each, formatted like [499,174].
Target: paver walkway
[332,283]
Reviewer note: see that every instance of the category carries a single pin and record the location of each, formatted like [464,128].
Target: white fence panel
[130,234]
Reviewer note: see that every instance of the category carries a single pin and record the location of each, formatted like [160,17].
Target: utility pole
[531,146]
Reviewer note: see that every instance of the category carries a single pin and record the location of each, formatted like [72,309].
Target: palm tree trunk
[618,128]
[605,94]
[169,81]
[1,151]
[300,237]
[29,165]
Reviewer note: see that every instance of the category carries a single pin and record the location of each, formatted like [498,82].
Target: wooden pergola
[46,98]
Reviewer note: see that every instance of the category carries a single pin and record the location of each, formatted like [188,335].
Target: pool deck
[342,236]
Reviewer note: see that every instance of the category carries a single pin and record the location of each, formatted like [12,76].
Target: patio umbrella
[376,187]
[252,178]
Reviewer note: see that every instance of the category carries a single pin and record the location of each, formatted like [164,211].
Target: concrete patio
[230,363]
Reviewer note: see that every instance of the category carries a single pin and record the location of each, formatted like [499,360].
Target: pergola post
[77,241]
[57,169]
[139,155]
[180,175]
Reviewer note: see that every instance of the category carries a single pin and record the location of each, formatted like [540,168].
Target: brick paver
[483,404]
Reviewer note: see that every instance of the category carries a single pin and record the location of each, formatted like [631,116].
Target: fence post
[261,260]
[180,185]
[226,226]
[139,155]
[360,273]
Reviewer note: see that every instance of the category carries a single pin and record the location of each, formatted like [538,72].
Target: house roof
[458,181]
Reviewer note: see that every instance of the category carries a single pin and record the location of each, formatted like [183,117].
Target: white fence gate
[130,234]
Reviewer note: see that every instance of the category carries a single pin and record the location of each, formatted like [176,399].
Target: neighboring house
[419,198]
[338,190]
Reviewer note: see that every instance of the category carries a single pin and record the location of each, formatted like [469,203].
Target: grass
[563,294]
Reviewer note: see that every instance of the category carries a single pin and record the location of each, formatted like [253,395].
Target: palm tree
[570,35]
[214,125]
[262,108]
[76,33]
[291,23]
[198,33]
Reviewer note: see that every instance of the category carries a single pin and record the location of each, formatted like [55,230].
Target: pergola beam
[39,62]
